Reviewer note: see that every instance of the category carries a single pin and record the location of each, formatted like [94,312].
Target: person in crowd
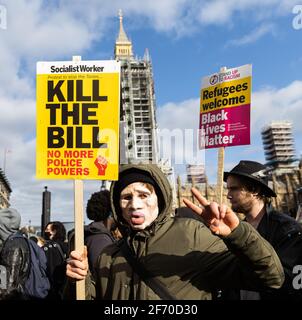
[12,259]
[23,264]
[10,220]
[101,232]
[29,232]
[98,234]
[56,249]
[250,194]
[38,240]
[189,258]
[55,231]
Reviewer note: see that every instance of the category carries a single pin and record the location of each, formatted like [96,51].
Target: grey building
[138,125]
[278,143]
[138,141]
[196,173]
[5,191]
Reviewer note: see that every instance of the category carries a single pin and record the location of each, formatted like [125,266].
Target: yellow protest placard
[78,120]
[226,95]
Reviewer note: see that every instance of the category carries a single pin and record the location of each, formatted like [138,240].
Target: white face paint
[139,205]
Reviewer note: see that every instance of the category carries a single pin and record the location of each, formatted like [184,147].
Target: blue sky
[187,40]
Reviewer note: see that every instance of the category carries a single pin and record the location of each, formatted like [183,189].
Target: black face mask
[47,235]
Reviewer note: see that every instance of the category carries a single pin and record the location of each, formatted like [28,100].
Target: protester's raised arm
[264,268]
[221,220]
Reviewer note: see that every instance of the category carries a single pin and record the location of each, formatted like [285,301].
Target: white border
[109,66]
[245,71]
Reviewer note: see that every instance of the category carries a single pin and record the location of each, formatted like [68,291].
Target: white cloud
[180,121]
[286,6]
[34,32]
[183,115]
[17,120]
[33,29]
[278,104]
[253,36]
[221,12]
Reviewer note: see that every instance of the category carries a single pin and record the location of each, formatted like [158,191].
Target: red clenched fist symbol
[101,164]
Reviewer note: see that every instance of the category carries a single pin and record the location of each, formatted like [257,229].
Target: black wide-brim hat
[255,172]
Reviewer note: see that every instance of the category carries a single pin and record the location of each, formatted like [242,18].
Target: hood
[95,228]
[162,183]
[10,220]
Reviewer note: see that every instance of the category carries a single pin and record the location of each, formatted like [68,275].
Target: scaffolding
[138,126]
[196,173]
[137,103]
[278,144]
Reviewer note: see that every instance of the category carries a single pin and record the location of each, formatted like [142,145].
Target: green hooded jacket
[184,255]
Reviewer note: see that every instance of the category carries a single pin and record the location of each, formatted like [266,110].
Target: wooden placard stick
[79,222]
[220,169]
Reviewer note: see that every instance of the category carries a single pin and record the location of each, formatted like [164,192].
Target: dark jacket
[97,237]
[285,235]
[56,252]
[184,255]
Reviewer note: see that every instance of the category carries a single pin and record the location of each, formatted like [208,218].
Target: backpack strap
[54,244]
[61,251]
[156,285]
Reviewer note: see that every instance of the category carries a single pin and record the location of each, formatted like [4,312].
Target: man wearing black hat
[182,257]
[249,193]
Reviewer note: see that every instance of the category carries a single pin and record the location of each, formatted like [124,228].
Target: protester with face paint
[191,259]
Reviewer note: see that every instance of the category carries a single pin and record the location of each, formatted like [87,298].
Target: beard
[242,207]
